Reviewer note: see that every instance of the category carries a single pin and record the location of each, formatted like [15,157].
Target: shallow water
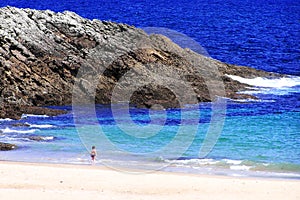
[258,138]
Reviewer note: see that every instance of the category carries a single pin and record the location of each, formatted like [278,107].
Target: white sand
[50,181]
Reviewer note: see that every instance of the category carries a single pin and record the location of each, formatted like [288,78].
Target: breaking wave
[276,86]
[8,130]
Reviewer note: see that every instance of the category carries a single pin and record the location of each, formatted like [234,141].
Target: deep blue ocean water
[260,138]
[261,34]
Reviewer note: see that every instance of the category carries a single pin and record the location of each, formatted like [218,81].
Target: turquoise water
[256,138]
[260,138]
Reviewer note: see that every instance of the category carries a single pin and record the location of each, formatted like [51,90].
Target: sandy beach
[57,181]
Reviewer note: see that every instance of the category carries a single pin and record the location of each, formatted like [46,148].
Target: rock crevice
[45,57]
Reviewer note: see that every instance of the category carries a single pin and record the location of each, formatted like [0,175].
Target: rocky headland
[47,57]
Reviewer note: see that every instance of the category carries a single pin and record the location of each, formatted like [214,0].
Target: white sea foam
[6,119]
[283,82]
[251,100]
[235,162]
[193,162]
[46,138]
[274,91]
[275,86]
[31,115]
[40,125]
[8,130]
[240,167]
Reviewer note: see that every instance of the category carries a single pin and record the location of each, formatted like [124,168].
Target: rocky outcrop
[47,58]
[20,125]
[7,146]
[15,111]
[41,138]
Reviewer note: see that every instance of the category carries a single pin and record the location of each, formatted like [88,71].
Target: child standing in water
[93,154]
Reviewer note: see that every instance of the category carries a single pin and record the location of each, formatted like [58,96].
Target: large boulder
[40,138]
[7,146]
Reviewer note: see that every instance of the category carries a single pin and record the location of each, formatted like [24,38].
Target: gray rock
[7,146]
[40,138]
[47,57]
[20,124]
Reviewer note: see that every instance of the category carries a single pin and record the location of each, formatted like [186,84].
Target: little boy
[93,154]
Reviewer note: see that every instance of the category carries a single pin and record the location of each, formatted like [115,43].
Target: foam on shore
[274,86]
[290,81]
[9,130]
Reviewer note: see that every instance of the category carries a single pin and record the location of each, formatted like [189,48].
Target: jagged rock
[7,146]
[46,58]
[40,138]
[20,124]
[36,138]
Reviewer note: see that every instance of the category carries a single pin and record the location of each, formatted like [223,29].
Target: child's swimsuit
[93,155]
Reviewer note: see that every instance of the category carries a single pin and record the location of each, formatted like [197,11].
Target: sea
[256,138]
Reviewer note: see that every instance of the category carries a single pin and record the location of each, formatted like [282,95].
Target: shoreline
[68,181]
[185,170]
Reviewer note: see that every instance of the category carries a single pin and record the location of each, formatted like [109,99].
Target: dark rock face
[7,146]
[47,57]
[20,125]
[15,111]
[36,138]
